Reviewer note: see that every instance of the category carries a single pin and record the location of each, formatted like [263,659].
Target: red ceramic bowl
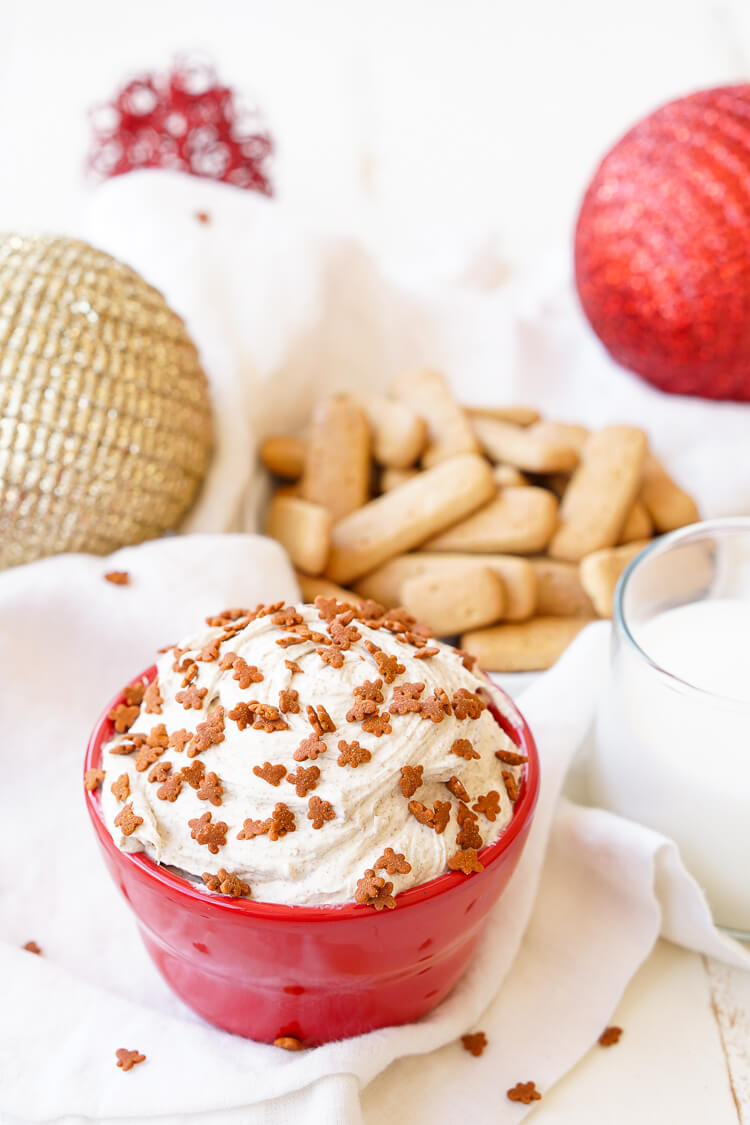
[314,972]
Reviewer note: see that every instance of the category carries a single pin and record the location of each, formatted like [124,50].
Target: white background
[437,127]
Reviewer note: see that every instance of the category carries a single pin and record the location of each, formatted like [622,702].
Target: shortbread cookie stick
[284,456]
[466,597]
[294,488]
[637,524]
[668,505]
[527,647]
[304,529]
[398,434]
[393,478]
[386,584]
[601,493]
[337,466]
[559,592]
[518,521]
[566,433]
[448,429]
[601,570]
[506,476]
[557,483]
[312,587]
[531,448]
[403,518]
[518,415]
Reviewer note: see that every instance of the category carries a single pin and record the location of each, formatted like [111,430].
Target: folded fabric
[559,948]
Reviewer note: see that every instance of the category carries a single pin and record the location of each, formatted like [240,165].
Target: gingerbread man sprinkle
[309,748]
[93,778]
[128,1059]
[488,804]
[127,821]
[272,774]
[411,779]
[373,890]
[319,811]
[466,861]
[352,754]
[191,697]
[214,836]
[303,779]
[252,828]
[474,1043]
[525,1092]
[225,884]
[210,789]
[282,821]
[393,863]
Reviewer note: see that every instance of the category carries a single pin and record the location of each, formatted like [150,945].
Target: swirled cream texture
[369,680]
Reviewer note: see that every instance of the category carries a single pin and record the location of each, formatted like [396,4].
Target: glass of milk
[672,747]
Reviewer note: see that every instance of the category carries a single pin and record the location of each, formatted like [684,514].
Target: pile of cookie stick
[487,523]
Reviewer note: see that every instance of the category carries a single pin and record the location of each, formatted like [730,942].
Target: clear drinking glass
[672,747]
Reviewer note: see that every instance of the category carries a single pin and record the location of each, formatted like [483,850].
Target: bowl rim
[510,720]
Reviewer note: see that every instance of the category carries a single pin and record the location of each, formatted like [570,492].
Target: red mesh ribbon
[186,120]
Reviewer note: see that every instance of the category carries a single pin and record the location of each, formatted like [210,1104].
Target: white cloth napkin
[281,315]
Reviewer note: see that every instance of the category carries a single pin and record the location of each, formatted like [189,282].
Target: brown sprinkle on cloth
[525,1092]
[128,1059]
[474,1043]
[118,577]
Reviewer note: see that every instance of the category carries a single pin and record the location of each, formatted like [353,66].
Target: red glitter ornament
[662,246]
[185,120]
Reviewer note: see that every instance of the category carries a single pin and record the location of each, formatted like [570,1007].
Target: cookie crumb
[610,1036]
[128,1059]
[474,1043]
[203,217]
[32,947]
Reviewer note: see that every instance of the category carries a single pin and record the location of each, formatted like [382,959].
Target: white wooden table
[684,1056]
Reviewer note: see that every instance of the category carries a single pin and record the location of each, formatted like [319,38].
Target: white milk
[677,759]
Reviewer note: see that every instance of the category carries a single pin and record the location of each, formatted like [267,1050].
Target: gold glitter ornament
[105,417]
